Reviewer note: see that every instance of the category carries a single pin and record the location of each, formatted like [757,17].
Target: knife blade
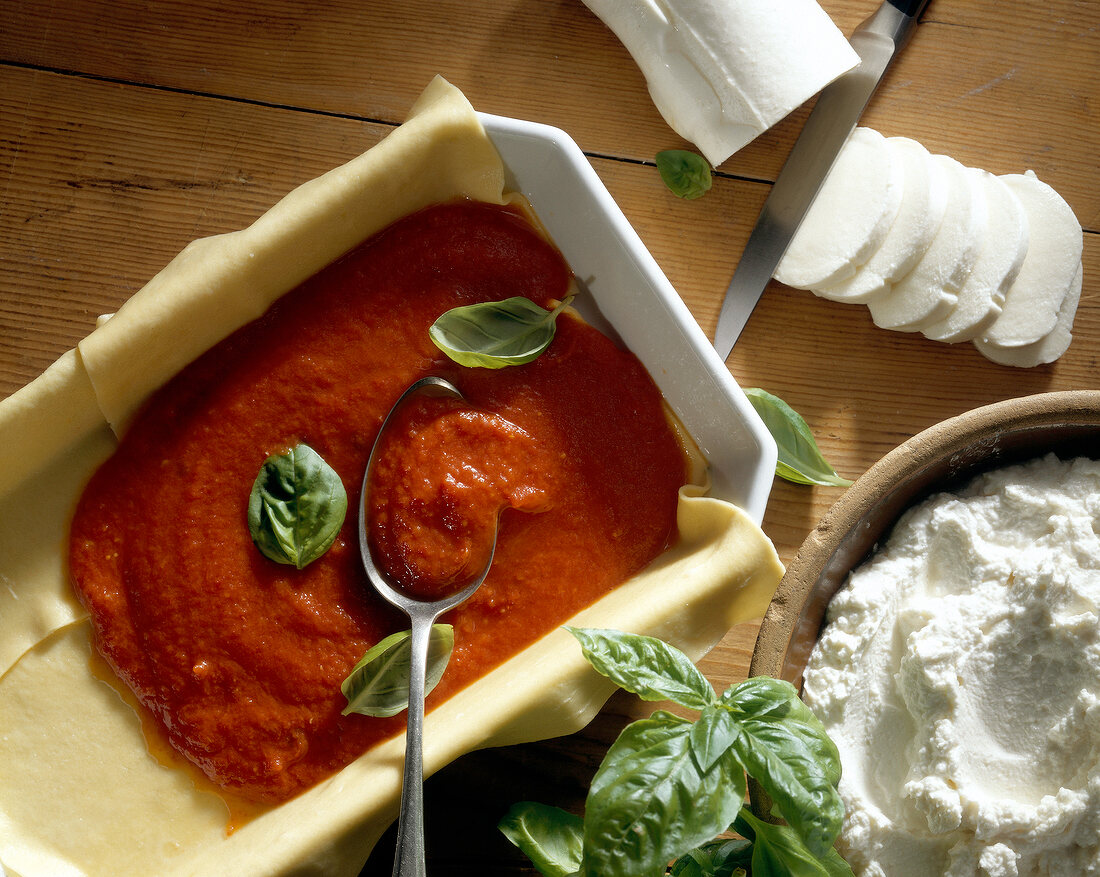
[877,41]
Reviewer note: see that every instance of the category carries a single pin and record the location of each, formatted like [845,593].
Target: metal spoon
[409,861]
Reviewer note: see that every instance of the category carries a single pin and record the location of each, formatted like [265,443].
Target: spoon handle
[409,861]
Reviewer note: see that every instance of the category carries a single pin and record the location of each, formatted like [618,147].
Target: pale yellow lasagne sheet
[80,793]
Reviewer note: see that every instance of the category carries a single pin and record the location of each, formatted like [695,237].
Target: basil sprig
[496,334]
[668,785]
[686,174]
[296,507]
[379,684]
[800,459]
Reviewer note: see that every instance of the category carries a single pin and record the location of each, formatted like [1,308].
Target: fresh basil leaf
[763,695]
[834,864]
[686,174]
[764,698]
[649,801]
[719,858]
[549,836]
[712,735]
[784,747]
[495,334]
[777,851]
[645,666]
[296,507]
[800,459]
[379,684]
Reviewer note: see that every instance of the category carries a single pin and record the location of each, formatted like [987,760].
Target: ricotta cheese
[959,675]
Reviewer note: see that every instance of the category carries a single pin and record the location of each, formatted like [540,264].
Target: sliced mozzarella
[851,216]
[923,202]
[928,293]
[1033,302]
[1050,346]
[999,260]
[723,71]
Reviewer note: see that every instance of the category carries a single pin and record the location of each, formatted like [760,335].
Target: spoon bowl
[410,860]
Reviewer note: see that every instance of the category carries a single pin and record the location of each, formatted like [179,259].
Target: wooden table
[129,128]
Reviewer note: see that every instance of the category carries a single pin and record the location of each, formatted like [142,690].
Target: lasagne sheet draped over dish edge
[80,791]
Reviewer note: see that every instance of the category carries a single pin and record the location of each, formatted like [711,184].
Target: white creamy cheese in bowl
[958,667]
[960,675]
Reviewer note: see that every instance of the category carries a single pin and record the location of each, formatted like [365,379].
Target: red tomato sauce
[239,658]
[443,475]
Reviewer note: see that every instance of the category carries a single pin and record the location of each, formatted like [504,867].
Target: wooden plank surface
[129,128]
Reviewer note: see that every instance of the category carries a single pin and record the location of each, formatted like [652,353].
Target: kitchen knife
[877,41]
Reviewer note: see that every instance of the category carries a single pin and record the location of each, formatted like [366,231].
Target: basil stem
[800,459]
[379,684]
[686,174]
[496,334]
[296,507]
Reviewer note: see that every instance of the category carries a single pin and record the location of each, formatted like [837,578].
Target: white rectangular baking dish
[633,296]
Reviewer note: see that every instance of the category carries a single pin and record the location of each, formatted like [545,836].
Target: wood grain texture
[129,128]
[977,70]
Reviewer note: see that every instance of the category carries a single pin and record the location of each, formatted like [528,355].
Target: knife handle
[912,8]
[894,19]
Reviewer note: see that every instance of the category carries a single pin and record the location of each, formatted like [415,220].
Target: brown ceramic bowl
[943,457]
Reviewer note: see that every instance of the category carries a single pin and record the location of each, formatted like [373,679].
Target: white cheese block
[1033,302]
[924,200]
[851,216]
[1050,346]
[928,293]
[999,261]
[723,71]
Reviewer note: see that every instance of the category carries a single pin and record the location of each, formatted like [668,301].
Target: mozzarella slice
[1050,346]
[851,216]
[928,293]
[999,261]
[1033,302]
[723,71]
[924,200]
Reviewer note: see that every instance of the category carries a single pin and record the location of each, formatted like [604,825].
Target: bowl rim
[800,601]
